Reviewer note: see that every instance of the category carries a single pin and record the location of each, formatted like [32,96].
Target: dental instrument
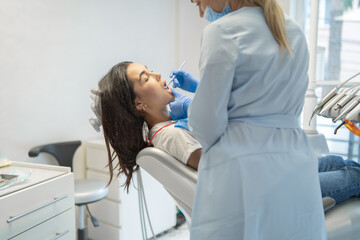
[330,95]
[173,77]
[347,110]
[333,101]
[340,100]
[348,120]
[331,106]
[346,99]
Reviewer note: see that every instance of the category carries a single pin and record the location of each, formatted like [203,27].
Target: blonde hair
[275,19]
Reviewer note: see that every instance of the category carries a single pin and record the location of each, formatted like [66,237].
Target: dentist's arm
[208,111]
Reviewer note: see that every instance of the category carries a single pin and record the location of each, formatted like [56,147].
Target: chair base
[82,234]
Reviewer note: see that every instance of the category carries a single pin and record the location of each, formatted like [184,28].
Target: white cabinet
[41,207]
[118,213]
[59,227]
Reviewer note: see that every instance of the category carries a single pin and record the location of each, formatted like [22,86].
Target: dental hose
[143,228]
[142,200]
[343,83]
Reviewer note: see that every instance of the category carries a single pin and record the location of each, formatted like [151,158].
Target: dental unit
[340,100]
[341,104]
[330,96]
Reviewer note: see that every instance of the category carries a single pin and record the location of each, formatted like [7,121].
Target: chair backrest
[63,152]
[176,177]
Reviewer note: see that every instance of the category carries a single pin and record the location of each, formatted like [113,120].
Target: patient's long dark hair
[122,124]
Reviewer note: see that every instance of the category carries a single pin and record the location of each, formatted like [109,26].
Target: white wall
[54,52]
[188,39]
[189,36]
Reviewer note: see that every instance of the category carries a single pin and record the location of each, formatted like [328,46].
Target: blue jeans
[339,178]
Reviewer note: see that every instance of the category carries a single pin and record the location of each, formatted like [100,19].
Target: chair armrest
[35,151]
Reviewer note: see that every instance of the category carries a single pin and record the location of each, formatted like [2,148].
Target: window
[338,58]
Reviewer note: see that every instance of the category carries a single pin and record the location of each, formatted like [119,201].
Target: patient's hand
[194,159]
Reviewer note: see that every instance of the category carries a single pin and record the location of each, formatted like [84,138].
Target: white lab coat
[257,178]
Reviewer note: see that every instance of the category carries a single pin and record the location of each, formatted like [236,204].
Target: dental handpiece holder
[342,102]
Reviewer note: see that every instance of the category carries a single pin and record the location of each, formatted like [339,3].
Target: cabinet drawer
[28,207]
[61,227]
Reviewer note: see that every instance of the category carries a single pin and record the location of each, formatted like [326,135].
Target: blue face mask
[211,16]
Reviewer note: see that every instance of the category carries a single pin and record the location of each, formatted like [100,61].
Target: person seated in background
[339,178]
[133,100]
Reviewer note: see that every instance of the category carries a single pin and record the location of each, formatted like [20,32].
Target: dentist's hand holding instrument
[172,76]
[184,80]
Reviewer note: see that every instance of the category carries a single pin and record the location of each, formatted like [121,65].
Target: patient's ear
[138,104]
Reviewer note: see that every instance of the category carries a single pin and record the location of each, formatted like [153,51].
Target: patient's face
[149,86]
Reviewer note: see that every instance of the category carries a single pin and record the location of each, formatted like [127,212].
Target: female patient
[133,101]
[130,96]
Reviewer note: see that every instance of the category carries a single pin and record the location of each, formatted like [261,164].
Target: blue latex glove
[182,123]
[184,80]
[179,107]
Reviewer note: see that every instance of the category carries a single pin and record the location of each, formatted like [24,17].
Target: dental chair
[178,179]
[86,190]
[342,220]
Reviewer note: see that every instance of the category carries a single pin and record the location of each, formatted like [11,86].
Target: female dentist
[257,177]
